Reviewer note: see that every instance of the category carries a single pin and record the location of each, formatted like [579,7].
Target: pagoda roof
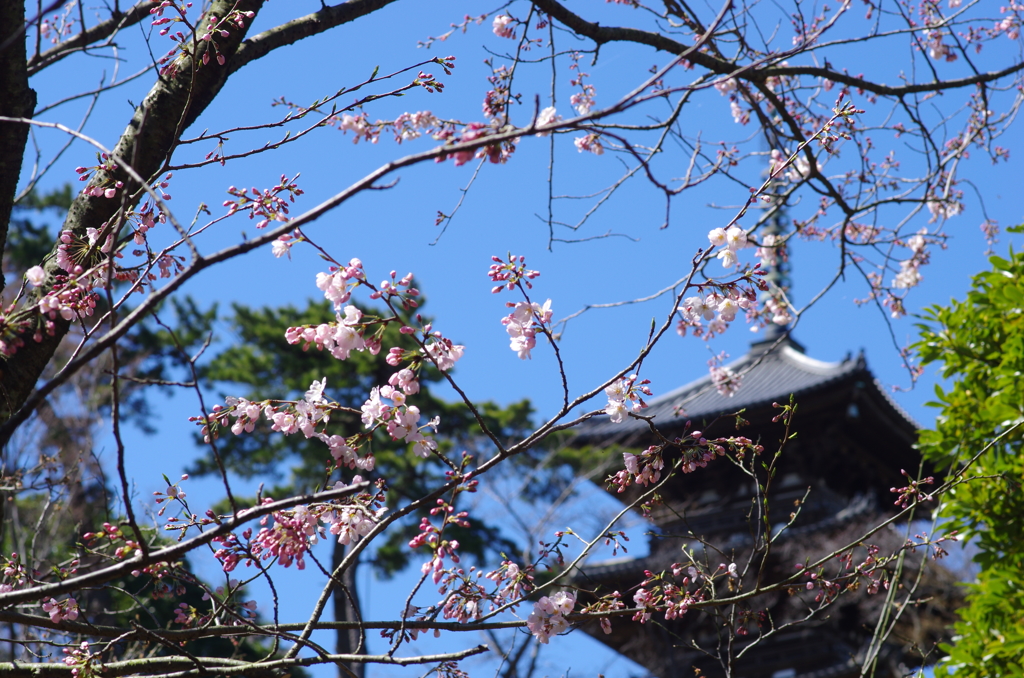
[769,372]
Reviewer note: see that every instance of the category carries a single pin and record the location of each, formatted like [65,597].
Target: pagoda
[831,483]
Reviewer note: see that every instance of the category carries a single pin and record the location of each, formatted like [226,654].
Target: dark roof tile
[766,376]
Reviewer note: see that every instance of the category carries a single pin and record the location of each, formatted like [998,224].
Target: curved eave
[767,377]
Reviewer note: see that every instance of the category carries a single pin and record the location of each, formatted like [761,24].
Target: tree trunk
[17,100]
[346,608]
[147,143]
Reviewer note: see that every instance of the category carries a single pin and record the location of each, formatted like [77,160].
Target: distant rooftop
[766,376]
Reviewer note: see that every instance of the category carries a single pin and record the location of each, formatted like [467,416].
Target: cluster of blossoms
[511,273]
[269,204]
[405,127]
[696,451]
[514,582]
[339,338]
[222,599]
[771,250]
[497,152]
[462,605]
[70,296]
[504,26]
[59,611]
[112,535]
[583,100]
[59,25]
[798,170]
[83,662]
[222,28]
[14,574]
[624,396]
[308,415]
[430,536]
[500,96]
[675,590]
[108,188]
[140,219]
[717,308]
[217,27]
[910,274]
[527,318]
[293,531]
[778,309]
[643,469]
[937,48]
[1011,24]
[523,323]
[726,381]
[400,420]
[590,143]
[546,117]
[549,615]
[729,87]
[730,241]
[944,208]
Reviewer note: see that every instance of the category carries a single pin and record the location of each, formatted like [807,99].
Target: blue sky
[503,212]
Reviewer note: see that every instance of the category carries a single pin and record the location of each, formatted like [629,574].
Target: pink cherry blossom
[36,276]
[503,26]
[444,353]
[590,142]
[624,396]
[546,117]
[548,616]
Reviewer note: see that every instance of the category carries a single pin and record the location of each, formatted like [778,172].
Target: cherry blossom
[547,117]
[725,86]
[768,252]
[732,240]
[66,609]
[443,352]
[504,26]
[590,142]
[624,396]
[523,324]
[548,616]
[337,284]
[36,276]
[726,381]
[779,310]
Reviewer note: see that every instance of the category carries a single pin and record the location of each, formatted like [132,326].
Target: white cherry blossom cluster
[726,381]
[717,309]
[504,26]
[339,338]
[769,252]
[798,170]
[523,323]
[778,309]
[730,241]
[909,274]
[306,415]
[590,142]
[547,117]
[643,468]
[337,285]
[624,396]
[548,616]
[400,420]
